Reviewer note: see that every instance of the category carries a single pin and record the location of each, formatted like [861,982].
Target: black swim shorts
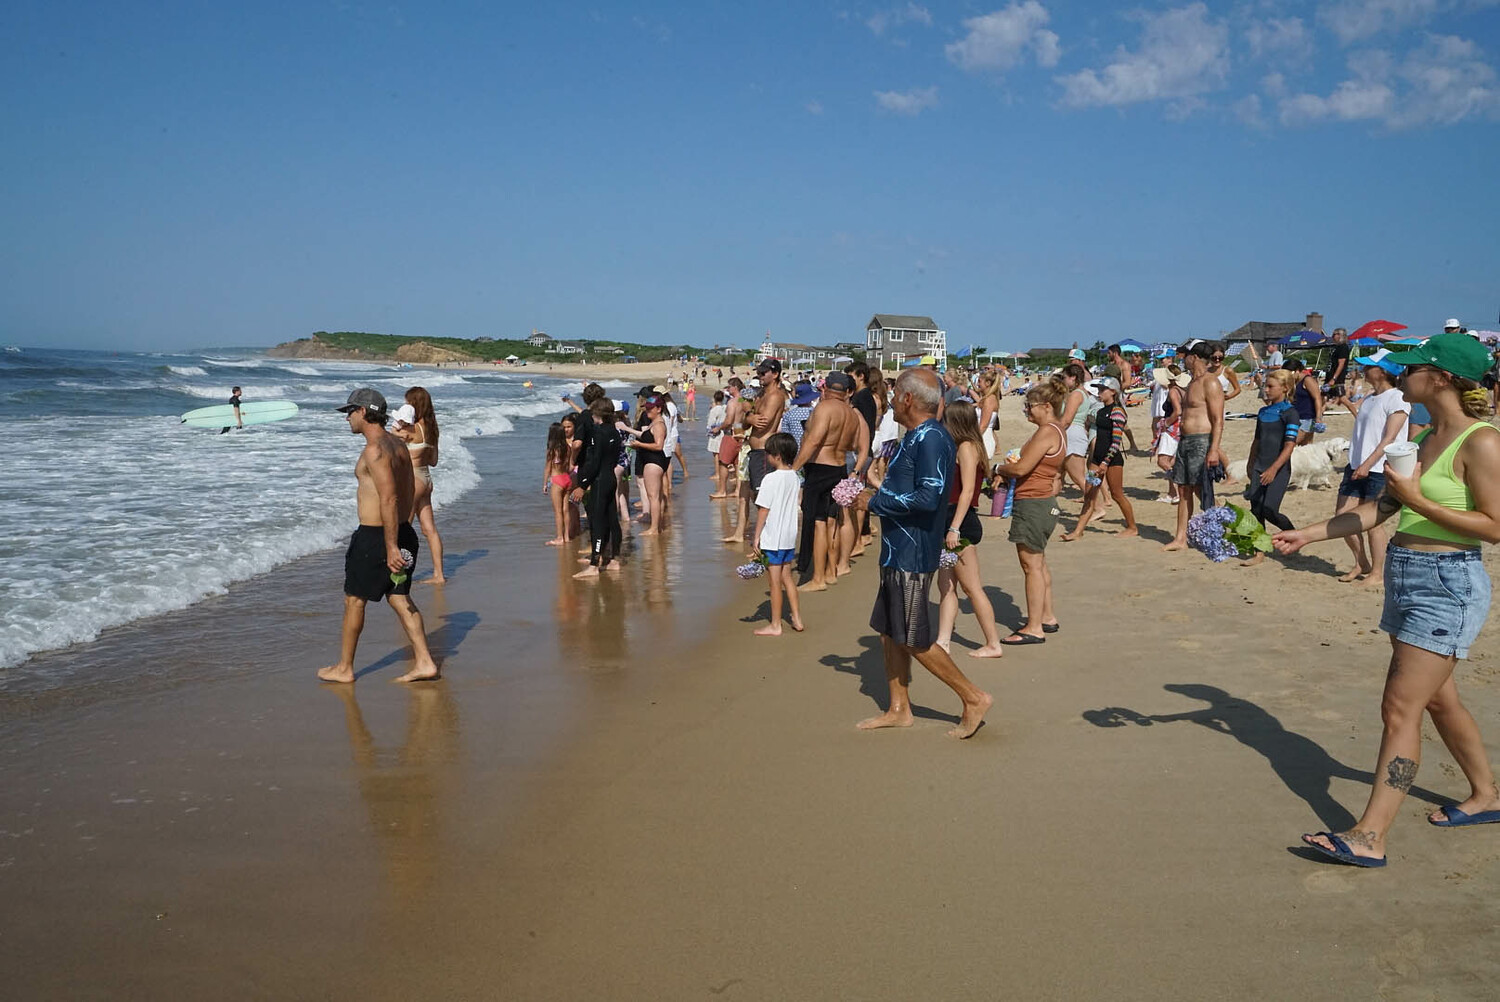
[757,466]
[366,574]
[901,608]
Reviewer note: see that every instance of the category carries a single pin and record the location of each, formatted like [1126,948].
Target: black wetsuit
[1275,425]
[596,474]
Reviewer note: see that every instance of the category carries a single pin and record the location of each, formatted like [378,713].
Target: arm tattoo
[1399,773]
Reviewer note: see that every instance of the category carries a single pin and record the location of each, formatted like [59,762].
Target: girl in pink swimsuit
[557,480]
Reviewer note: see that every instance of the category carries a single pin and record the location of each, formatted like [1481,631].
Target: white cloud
[910,14]
[1274,84]
[1182,54]
[999,40]
[1247,109]
[911,102]
[1443,81]
[1280,38]
[814,107]
[1352,20]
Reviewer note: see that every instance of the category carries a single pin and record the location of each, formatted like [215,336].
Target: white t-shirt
[1275,360]
[715,418]
[671,419]
[1369,426]
[778,492]
[887,431]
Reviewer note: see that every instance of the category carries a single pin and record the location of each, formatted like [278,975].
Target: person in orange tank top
[1034,512]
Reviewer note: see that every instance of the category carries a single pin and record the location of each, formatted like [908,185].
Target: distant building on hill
[1260,332]
[892,338]
[791,352]
[558,348]
[538,340]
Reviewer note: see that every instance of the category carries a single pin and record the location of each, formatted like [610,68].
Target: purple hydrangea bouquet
[949,558]
[754,568]
[1226,532]
[847,491]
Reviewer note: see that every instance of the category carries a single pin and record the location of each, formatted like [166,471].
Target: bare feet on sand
[433,581]
[1128,532]
[717,497]
[1371,581]
[769,630]
[1174,545]
[421,673]
[813,586]
[1259,558]
[586,573]
[1353,575]
[1068,537]
[556,542]
[890,718]
[649,532]
[336,673]
[988,651]
[731,539]
[973,716]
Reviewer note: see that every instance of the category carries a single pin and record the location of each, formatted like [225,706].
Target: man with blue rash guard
[912,503]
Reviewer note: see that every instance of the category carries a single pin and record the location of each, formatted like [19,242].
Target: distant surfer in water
[234,401]
[383,550]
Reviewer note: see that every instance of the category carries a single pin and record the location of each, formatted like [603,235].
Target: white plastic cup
[1401,457]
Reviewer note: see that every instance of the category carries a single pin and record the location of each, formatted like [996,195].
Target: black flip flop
[1051,627]
[1025,641]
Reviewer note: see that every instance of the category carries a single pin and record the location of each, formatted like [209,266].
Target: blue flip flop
[1341,851]
[1458,819]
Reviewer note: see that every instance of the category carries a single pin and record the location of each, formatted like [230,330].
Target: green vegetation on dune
[386,346]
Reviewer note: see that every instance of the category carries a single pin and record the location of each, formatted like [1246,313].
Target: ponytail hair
[1078,373]
[1052,392]
[1472,397]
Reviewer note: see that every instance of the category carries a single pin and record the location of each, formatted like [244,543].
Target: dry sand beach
[616,792]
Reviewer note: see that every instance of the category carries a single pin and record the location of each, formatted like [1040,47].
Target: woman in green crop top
[1437,593]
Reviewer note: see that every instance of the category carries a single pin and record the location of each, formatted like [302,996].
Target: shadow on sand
[443,642]
[1298,761]
[869,665]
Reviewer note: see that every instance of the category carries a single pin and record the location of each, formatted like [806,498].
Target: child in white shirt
[778,513]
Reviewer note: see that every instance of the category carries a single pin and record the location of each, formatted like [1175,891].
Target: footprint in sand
[1399,965]
[1190,645]
[1327,881]
[1328,715]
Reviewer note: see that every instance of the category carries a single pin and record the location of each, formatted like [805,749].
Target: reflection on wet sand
[404,789]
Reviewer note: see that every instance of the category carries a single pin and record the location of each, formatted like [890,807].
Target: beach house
[538,339]
[796,355]
[892,338]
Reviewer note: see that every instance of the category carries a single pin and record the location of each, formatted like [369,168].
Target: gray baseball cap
[364,399]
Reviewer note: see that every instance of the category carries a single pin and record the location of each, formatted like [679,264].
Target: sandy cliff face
[416,352]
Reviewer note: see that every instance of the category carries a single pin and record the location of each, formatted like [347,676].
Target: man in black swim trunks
[383,550]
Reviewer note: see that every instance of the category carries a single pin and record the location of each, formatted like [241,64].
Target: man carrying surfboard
[234,401]
[383,550]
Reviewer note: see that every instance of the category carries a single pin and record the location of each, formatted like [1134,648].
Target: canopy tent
[1382,330]
[1404,342]
[628,358]
[1236,350]
[806,363]
[1305,339]
[512,358]
[1130,346]
[843,360]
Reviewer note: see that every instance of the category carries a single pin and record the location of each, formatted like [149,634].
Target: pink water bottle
[997,501]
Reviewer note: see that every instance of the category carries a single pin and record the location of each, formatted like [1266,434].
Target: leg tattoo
[1400,773]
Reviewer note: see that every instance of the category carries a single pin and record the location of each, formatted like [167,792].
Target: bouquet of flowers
[948,558]
[1226,532]
[846,491]
[754,568]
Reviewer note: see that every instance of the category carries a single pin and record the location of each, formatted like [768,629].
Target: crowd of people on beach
[808,470]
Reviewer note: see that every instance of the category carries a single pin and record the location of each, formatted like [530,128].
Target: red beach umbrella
[1381,329]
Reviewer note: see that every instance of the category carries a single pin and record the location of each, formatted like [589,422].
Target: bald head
[925,388]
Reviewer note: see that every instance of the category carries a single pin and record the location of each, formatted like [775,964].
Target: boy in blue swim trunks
[776,529]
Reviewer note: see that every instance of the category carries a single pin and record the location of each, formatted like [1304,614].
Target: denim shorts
[1367,489]
[1435,601]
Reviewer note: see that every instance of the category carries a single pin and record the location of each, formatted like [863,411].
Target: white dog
[1320,461]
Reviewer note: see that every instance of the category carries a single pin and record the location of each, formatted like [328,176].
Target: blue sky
[192,174]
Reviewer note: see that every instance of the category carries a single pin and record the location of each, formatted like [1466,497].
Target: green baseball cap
[1452,351]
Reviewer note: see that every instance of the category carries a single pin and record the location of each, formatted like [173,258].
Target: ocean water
[115,511]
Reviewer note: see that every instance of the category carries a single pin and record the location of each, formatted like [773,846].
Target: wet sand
[619,793]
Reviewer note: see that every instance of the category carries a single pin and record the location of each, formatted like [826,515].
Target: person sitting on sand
[375,565]
[911,503]
[776,530]
[1037,472]
[970,468]
[1202,429]
[1437,592]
